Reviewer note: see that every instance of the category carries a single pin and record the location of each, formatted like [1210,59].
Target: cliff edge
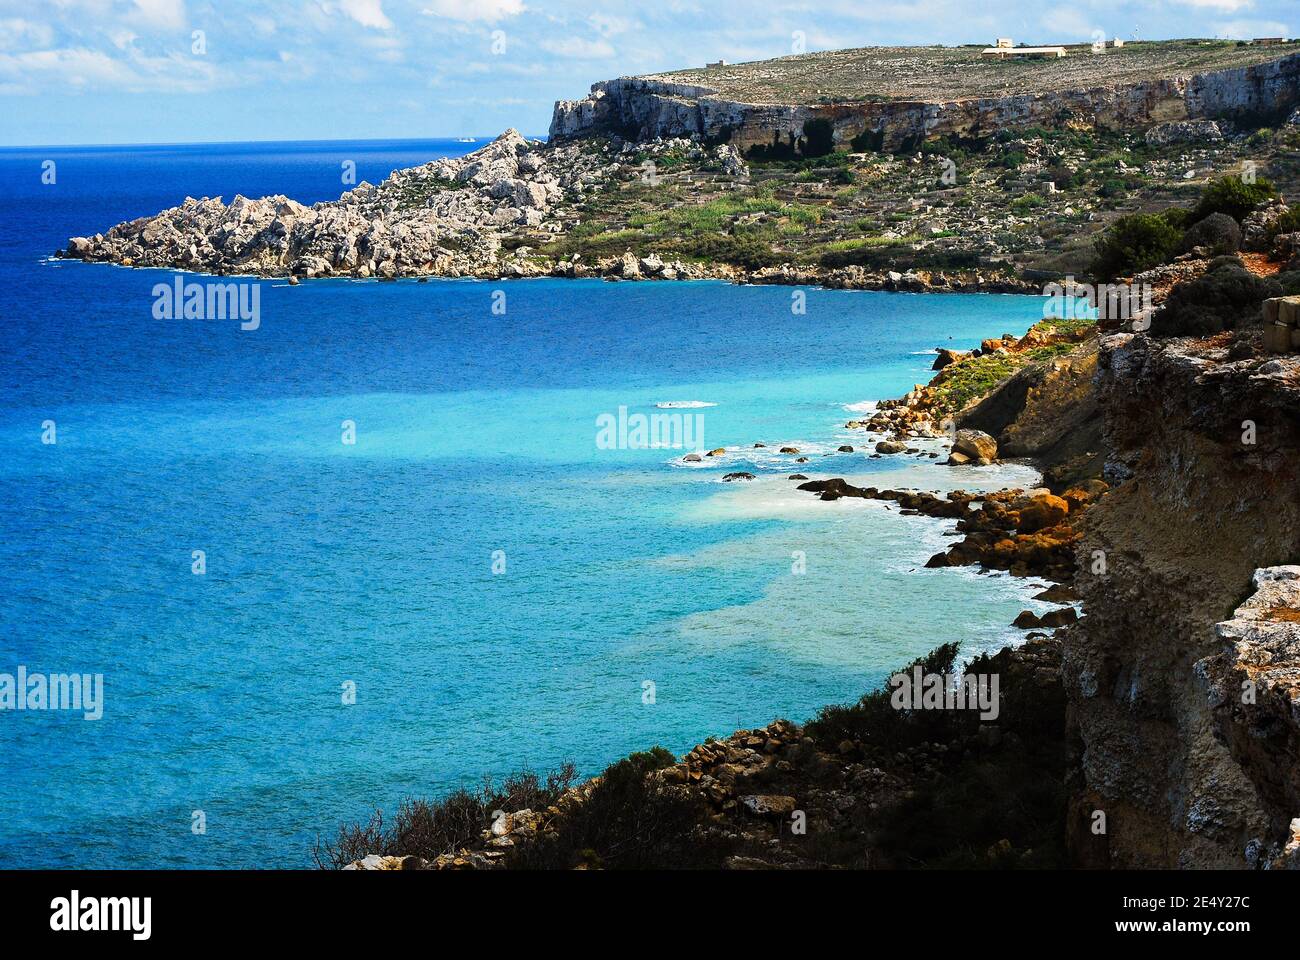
[1187,767]
[893,98]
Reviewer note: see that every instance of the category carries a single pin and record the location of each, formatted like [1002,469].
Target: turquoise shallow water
[372,562]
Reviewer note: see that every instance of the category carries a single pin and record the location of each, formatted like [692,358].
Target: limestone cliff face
[1186,773]
[644,108]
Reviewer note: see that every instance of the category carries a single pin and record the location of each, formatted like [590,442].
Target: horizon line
[220,143]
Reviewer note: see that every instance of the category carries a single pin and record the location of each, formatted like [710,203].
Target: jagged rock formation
[884,104]
[1203,449]
[1254,688]
[443,218]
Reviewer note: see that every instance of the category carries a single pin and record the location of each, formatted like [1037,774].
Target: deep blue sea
[329,564]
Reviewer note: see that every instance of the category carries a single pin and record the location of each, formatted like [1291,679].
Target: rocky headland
[944,174]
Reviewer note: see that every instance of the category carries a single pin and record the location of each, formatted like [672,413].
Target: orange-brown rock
[1043,510]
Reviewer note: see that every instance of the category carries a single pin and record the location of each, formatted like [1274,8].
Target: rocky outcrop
[1254,693]
[645,107]
[1204,449]
[1031,414]
[1047,412]
[1184,131]
[1029,533]
[444,218]
[508,210]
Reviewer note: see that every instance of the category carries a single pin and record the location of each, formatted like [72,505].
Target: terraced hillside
[955,73]
[895,98]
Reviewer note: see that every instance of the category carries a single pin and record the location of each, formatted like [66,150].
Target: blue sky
[131,71]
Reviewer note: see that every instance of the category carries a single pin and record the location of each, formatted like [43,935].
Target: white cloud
[368,13]
[160,14]
[1249,29]
[1224,6]
[1066,23]
[263,25]
[76,68]
[608,25]
[16,32]
[489,10]
[578,49]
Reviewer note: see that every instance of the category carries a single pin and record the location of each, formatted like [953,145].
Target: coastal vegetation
[929,789]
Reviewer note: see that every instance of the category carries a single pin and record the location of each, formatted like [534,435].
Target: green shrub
[1112,188]
[1219,232]
[1233,196]
[752,253]
[1225,297]
[1289,222]
[873,721]
[1136,242]
[629,821]
[428,829]
[993,802]
[1180,218]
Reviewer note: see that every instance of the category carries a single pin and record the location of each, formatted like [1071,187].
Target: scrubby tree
[1233,196]
[1135,243]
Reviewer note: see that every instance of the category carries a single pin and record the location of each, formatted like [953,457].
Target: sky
[176,71]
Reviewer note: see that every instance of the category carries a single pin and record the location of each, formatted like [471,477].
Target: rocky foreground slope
[1187,592]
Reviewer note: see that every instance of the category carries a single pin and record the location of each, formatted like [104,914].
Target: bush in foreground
[1234,197]
[430,828]
[630,820]
[1226,296]
[1137,242]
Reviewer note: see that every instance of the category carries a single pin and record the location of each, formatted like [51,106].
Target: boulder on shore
[973,446]
[1042,511]
[1052,618]
[947,358]
[835,488]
